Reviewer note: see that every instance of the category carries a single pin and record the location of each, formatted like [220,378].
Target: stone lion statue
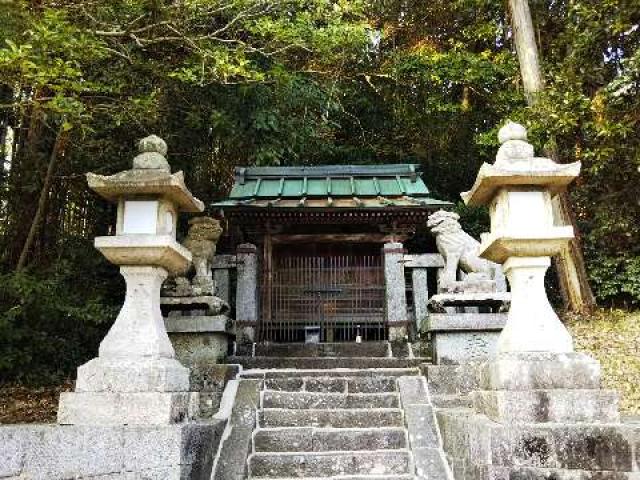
[202,239]
[460,251]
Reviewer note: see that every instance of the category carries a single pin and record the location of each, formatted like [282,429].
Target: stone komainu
[460,252]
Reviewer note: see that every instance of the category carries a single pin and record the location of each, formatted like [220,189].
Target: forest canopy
[288,82]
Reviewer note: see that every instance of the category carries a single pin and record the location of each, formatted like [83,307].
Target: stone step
[322,400]
[329,464]
[351,349]
[339,372]
[336,418]
[311,363]
[309,439]
[333,384]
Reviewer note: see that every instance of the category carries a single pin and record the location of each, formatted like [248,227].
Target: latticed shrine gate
[320,250]
[338,297]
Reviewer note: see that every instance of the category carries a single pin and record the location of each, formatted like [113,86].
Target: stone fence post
[246,293]
[395,291]
[222,266]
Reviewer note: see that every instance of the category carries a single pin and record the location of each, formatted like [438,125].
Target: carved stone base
[464,337]
[116,408]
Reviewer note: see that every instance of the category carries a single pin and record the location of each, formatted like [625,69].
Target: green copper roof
[330,186]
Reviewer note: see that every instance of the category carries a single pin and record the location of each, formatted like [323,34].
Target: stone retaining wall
[86,452]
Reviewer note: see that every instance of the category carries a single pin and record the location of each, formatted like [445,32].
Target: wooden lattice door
[342,296]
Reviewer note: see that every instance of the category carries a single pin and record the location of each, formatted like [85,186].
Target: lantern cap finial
[153,143]
[512,131]
[153,151]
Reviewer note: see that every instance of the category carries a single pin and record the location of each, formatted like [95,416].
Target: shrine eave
[330,187]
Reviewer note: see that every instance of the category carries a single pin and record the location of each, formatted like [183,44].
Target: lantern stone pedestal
[537,410]
[136,380]
[130,414]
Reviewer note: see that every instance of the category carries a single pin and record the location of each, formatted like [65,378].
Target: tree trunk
[44,195]
[572,274]
[527,49]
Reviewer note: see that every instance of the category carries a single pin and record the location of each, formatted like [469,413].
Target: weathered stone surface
[464,337]
[153,151]
[299,439]
[413,390]
[372,384]
[474,439]
[231,462]
[182,306]
[200,338]
[594,447]
[452,379]
[221,281]
[430,464]
[209,379]
[325,385]
[198,324]
[448,322]
[420,292]
[132,375]
[285,384]
[336,418]
[137,182]
[273,465]
[139,328]
[396,300]
[54,452]
[351,373]
[314,400]
[459,347]
[116,408]
[307,439]
[532,324]
[439,302]
[192,348]
[247,290]
[310,363]
[143,251]
[534,371]
[202,237]
[536,406]
[422,429]
[421,423]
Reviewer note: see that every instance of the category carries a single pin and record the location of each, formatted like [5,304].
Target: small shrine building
[320,252]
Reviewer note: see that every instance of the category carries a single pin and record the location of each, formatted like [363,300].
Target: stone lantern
[535,376]
[135,379]
[518,189]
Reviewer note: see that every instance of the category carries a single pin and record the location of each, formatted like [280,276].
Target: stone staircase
[344,424]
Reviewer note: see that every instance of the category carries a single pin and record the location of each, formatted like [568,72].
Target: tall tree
[572,273]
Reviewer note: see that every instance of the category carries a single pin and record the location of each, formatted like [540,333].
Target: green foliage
[49,323]
[244,82]
[589,112]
